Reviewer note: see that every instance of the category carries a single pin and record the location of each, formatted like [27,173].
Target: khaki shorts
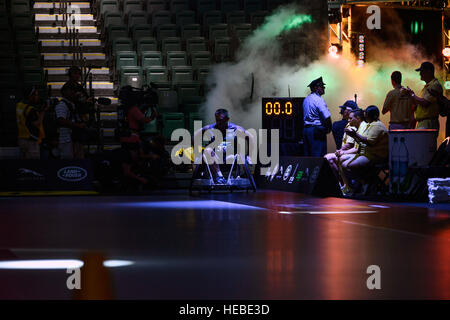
[428,124]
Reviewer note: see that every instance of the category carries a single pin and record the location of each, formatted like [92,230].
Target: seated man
[229,132]
[338,126]
[349,147]
[373,145]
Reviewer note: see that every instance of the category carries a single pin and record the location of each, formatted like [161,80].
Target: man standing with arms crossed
[317,121]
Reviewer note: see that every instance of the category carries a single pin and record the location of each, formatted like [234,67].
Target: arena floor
[264,245]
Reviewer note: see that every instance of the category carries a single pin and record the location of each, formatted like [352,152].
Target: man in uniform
[317,121]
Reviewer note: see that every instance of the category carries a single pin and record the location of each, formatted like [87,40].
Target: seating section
[170,43]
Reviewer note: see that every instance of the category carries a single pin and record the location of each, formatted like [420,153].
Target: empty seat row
[240,31]
[181,5]
[162,74]
[155,58]
[151,44]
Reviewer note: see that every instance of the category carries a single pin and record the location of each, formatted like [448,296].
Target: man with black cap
[317,121]
[398,103]
[426,105]
[339,126]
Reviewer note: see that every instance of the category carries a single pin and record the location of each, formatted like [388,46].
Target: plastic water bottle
[403,164]
[394,170]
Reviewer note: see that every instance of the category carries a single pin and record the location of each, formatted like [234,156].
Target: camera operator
[84,104]
[137,104]
[69,123]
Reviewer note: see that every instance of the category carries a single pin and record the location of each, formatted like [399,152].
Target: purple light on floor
[196,204]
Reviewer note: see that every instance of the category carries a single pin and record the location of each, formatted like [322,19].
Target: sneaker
[346,191]
[221,180]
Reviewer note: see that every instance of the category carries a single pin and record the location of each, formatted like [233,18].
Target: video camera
[144,98]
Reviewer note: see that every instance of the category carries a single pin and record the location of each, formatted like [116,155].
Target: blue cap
[349,104]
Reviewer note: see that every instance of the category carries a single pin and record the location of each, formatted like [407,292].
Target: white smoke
[260,55]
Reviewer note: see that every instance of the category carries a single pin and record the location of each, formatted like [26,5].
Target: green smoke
[296,21]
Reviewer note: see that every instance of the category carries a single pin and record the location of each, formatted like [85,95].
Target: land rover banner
[45,175]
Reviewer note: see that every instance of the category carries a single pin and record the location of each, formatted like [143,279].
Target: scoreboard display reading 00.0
[284,114]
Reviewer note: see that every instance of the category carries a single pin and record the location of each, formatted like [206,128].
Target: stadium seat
[194,116]
[196,44]
[235,17]
[190,31]
[167,98]
[186,91]
[131,75]
[125,58]
[130,6]
[155,5]
[140,31]
[242,31]
[161,17]
[203,6]
[178,5]
[156,74]
[229,5]
[171,121]
[7,46]
[116,32]
[22,6]
[181,74]
[176,58]
[151,58]
[21,19]
[109,6]
[222,49]
[202,73]
[217,31]
[200,58]
[257,18]
[137,18]
[273,4]
[121,44]
[27,46]
[253,5]
[185,17]
[30,60]
[211,18]
[24,33]
[33,76]
[170,44]
[146,44]
[7,61]
[166,31]
[112,19]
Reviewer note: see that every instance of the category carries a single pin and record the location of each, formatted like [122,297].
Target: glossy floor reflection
[268,245]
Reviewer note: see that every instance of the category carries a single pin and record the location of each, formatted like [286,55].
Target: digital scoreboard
[286,115]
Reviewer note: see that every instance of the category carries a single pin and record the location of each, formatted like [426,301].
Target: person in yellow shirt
[427,107]
[29,124]
[372,142]
[356,122]
[398,103]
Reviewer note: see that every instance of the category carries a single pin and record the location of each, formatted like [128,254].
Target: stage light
[41,264]
[447,85]
[117,263]
[335,50]
[446,52]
